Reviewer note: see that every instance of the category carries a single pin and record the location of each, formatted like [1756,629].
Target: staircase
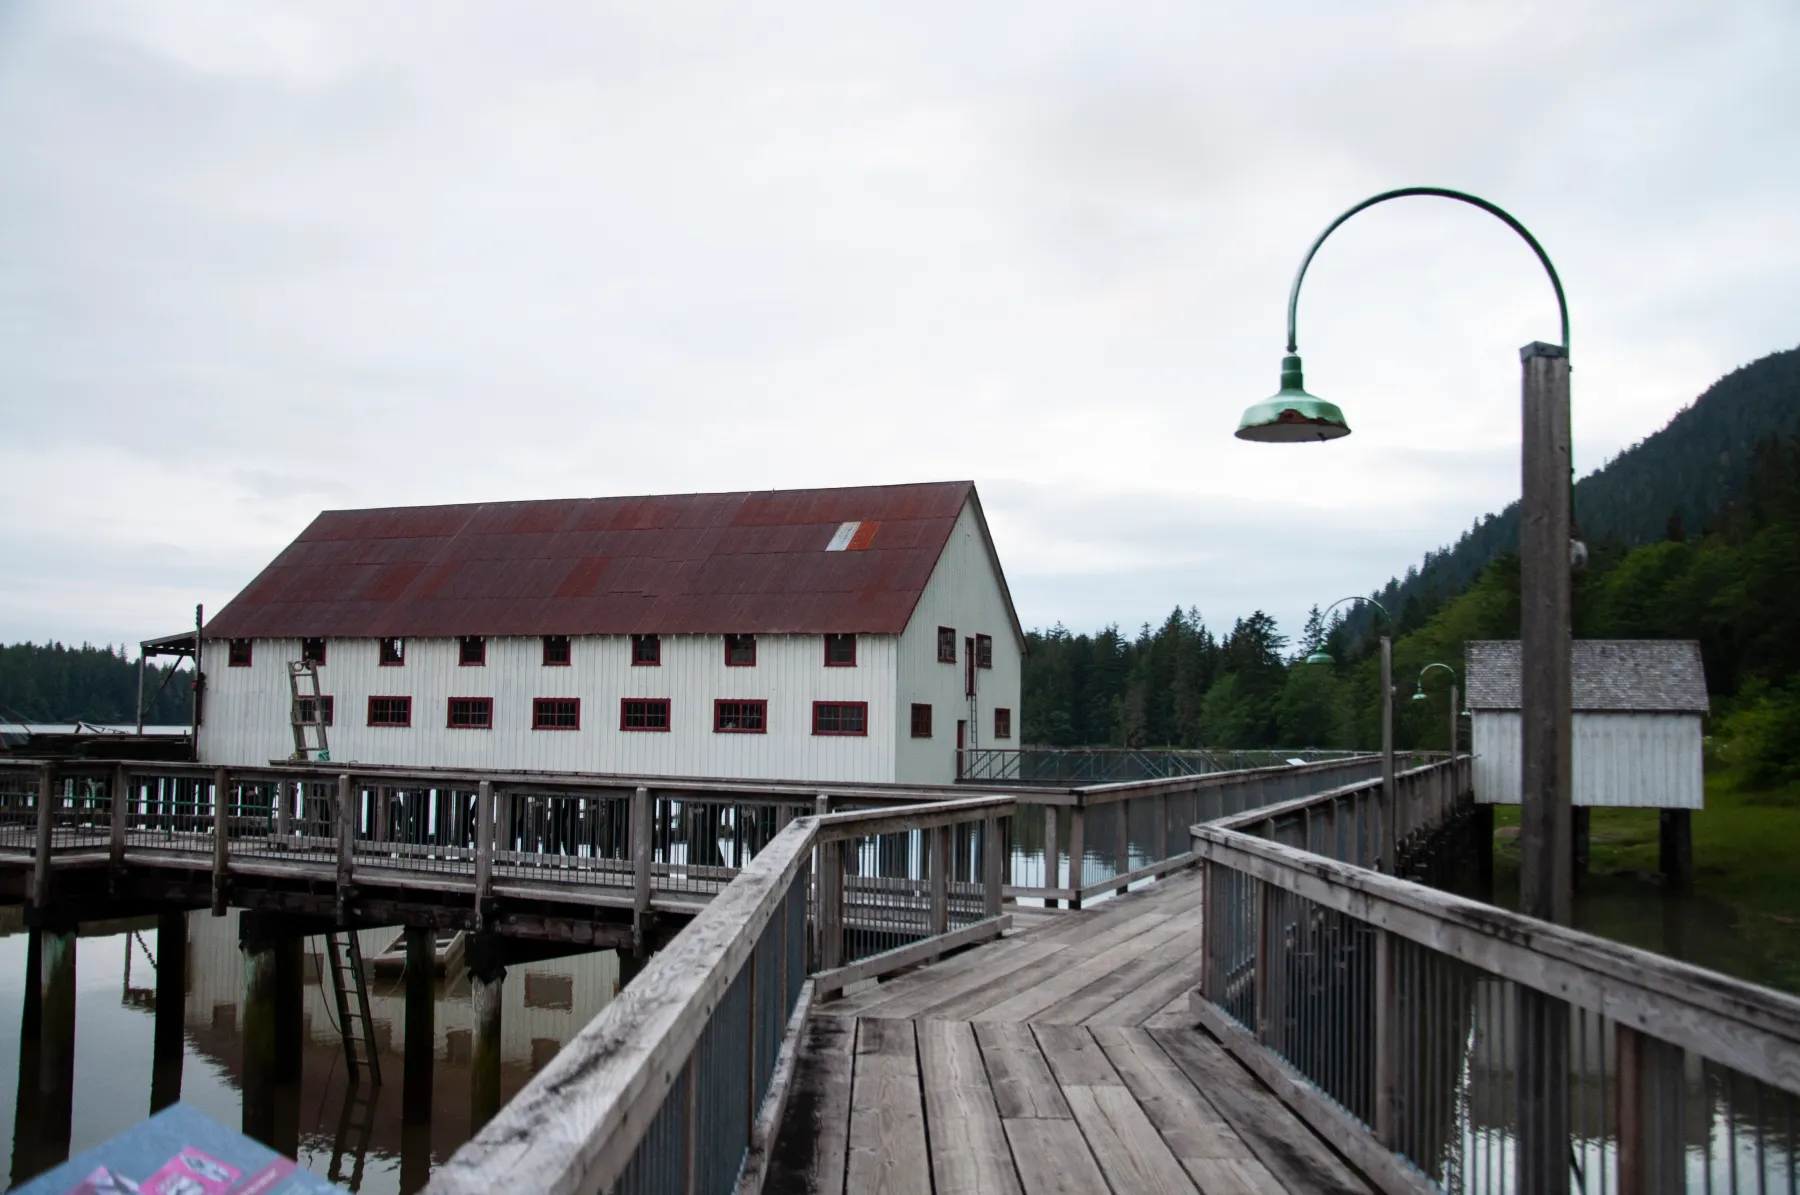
[350,983]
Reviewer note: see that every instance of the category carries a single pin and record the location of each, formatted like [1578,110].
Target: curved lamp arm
[1294,293]
[1370,600]
[1429,667]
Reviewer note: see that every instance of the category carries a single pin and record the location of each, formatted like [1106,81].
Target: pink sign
[191,1172]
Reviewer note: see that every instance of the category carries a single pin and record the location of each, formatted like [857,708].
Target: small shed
[1637,703]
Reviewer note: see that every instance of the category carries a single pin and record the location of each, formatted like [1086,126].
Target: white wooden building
[1638,705]
[844,634]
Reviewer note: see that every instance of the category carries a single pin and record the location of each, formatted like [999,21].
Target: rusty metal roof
[672,564]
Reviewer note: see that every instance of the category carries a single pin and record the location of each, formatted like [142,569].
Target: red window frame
[547,713]
[946,645]
[479,642]
[921,719]
[984,651]
[651,659]
[239,653]
[403,718]
[732,641]
[744,706]
[862,708]
[330,708]
[391,653]
[646,704]
[1002,722]
[551,645]
[470,705]
[839,641]
[312,651]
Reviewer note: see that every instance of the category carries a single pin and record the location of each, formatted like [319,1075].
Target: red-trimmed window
[393,653]
[740,651]
[471,713]
[305,715]
[556,713]
[740,717]
[556,651]
[984,651]
[238,653]
[1002,723]
[946,645]
[921,720]
[471,651]
[644,713]
[312,651]
[840,651]
[390,711]
[841,717]
[646,650]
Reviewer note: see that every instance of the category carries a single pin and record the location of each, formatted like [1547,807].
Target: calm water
[358,1142]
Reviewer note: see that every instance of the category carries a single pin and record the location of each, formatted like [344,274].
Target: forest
[49,682]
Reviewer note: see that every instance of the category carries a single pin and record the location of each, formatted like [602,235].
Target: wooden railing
[678,1084]
[1063,767]
[1444,1044]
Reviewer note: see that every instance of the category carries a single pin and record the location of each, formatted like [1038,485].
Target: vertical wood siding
[1636,760]
[965,593]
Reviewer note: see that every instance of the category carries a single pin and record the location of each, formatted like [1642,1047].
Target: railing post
[121,785]
[1159,841]
[831,905]
[1265,947]
[641,850]
[40,869]
[284,803]
[484,851]
[1077,852]
[1387,1042]
[346,833]
[993,851]
[939,839]
[1209,928]
[221,838]
[1542,1065]
[1652,1092]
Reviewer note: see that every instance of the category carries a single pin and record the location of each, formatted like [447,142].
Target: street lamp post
[1419,695]
[1546,553]
[1388,858]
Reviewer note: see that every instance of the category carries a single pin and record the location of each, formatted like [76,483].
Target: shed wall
[246,712]
[965,593]
[1634,760]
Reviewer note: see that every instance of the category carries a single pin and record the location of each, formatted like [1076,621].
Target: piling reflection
[161,1013]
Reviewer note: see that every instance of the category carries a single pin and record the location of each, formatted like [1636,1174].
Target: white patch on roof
[845,533]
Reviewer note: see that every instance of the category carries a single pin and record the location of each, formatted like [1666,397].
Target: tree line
[50,682]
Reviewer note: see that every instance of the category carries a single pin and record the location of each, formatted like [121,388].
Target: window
[840,651]
[306,715]
[740,651]
[471,713]
[984,651]
[740,717]
[312,651]
[556,713]
[644,713]
[239,653]
[646,650]
[393,653]
[946,645]
[390,711]
[1002,723]
[840,717]
[471,651]
[921,720]
[556,651]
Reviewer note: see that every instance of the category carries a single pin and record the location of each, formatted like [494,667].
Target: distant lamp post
[1389,850]
[1419,695]
[1547,553]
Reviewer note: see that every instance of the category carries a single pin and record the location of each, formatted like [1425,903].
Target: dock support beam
[56,1057]
[1483,831]
[484,1071]
[259,1028]
[421,1032]
[31,1036]
[171,1005]
[1677,853]
[1579,820]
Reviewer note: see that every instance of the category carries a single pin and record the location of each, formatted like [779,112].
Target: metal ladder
[307,713]
[350,979]
[358,1118]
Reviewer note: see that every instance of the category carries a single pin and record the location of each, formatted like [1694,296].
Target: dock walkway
[1060,1058]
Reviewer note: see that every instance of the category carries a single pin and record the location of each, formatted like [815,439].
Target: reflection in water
[349,1133]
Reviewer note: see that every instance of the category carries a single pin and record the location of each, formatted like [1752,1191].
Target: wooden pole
[346,832]
[169,1045]
[993,850]
[484,850]
[1453,724]
[221,838]
[484,1078]
[140,700]
[56,1057]
[421,1030]
[1390,801]
[642,846]
[40,865]
[199,624]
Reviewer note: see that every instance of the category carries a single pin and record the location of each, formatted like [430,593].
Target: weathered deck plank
[810,1148]
[887,1115]
[969,1154]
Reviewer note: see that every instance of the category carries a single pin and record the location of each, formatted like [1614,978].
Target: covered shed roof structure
[1610,676]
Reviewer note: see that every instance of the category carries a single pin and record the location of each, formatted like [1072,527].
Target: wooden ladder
[307,713]
[358,1118]
[350,983]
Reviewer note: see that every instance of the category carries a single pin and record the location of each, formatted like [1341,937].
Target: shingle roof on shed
[673,564]
[1616,675]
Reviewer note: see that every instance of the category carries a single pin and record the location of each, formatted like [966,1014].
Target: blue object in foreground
[179,1151]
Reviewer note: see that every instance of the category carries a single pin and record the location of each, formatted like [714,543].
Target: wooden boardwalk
[1058,1059]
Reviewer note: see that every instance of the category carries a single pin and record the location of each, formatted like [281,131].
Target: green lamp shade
[1292,416]
[1419,695]
[1319,657]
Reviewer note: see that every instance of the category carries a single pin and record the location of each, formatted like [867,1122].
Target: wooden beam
[829,983]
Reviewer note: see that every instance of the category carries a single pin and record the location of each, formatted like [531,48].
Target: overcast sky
[258,259]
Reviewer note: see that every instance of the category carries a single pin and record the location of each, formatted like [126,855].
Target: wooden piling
[170,1045]
[421,1032]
